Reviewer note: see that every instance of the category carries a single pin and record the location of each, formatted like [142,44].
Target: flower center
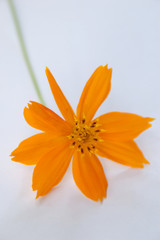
[85,136]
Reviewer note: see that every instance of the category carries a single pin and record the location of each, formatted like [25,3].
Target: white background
[72,38]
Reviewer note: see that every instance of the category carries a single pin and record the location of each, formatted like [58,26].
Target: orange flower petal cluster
[81,137]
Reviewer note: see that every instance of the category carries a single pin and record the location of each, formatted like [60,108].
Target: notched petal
[89,176]
[126,153]
[32,149]
[51,168]
[119,126]
[62,103]
[44,119]
[95,92]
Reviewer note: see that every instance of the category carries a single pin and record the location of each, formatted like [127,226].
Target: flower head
[79,135]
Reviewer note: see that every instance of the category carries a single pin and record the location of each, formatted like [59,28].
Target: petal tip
[150,119]
[33,188]
[110,70]
[12,154]
[102,198]
[37,196]
[47,69]
[146,162]
[31,102]
[141,166]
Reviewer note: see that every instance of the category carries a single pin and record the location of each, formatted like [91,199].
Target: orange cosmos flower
[110,135]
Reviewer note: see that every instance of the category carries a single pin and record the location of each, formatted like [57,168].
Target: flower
[110,135]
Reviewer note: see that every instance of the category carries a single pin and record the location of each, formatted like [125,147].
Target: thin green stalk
[24,51]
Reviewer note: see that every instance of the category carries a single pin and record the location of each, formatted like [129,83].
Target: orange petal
[51,168]
[60,99]
[95,92]
[89,176]
[120,126]
[31,150]
[126,153]
[42,118]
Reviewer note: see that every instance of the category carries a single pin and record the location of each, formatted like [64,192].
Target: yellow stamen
[85,136]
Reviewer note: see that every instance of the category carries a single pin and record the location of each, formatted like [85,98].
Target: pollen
[85,136]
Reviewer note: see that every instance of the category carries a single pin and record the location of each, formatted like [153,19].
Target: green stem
[24,51]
